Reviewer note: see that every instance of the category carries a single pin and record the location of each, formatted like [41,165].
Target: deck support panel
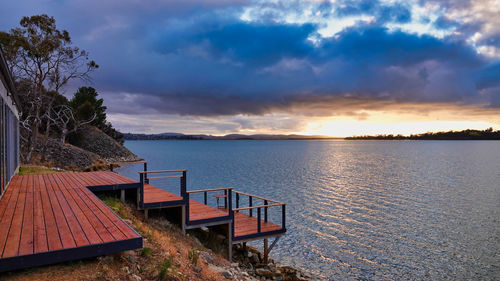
[69,254]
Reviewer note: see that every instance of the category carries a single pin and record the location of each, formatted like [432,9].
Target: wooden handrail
[258,197]
[257,207]
[164,171]
[128,162]
[207,190]
[167,177]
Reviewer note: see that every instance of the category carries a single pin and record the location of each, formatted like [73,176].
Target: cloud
[209,58]
[394,12]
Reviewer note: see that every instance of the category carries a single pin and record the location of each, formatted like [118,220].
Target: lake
[361,209]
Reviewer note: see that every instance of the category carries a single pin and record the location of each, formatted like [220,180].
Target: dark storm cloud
[201,58]
[226,67]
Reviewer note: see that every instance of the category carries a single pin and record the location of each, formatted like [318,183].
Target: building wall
[9,137]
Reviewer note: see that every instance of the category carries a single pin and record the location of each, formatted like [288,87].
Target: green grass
[113,202]
[31,170]
[165,268]
[193,256]
[146,251]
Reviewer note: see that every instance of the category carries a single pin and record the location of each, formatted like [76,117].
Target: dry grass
[167,255]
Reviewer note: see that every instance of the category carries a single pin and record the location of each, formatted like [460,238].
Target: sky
[336,68]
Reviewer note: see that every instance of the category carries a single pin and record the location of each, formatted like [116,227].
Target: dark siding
[9,145]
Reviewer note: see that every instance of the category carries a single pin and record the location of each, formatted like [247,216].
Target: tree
[42,58]
[86,104]
[66,121]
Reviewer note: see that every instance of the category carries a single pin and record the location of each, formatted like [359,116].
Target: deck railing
[259,208]
[117,164]
[228,201]
[144,179]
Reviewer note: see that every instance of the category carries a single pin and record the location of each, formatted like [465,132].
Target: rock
[264,272]
[208,258]
[235,264]
[132,258]
[227,274]
[106,259]
[220,270]
[136,278]
[254,258]
[94,140]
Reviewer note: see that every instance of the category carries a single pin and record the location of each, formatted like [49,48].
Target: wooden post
[230,241]
[250,204]
[146,213]
[237,201]
[283,217]
[265,211]
[146,180]
[266,251]
[122,195]
[111,167]
[225,199]
[258,220]
[141,190]
[183,222]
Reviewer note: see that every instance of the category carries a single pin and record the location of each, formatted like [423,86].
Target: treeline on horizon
[488,134]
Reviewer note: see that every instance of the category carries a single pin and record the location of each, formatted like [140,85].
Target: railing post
[283,219]
[142,189]
[237,201]
[258,220]
[205,198]
[265,211]
[230,207]
[184,193]
[250,204]
[183,184]
[145,170]
[225,199]
[187,208]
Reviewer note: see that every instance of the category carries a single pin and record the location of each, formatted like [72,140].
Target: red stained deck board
[91,213]
[12,241]
[52,231]
[80,211]
[153,194]
[73,223]
[245,225]
[26,245]
[116,226]
[198,211]
[60,217]
[39,235]
[115,178]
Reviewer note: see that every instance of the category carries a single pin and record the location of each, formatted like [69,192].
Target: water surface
[361,209]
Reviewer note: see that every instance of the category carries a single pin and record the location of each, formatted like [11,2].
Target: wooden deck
[153,194]
[199,211]
[245,225]
[52,218]
[56,217]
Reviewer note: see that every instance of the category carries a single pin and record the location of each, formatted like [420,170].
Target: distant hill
[488,134]
[179,136]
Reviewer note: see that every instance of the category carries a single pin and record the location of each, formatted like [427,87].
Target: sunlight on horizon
[360,128]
